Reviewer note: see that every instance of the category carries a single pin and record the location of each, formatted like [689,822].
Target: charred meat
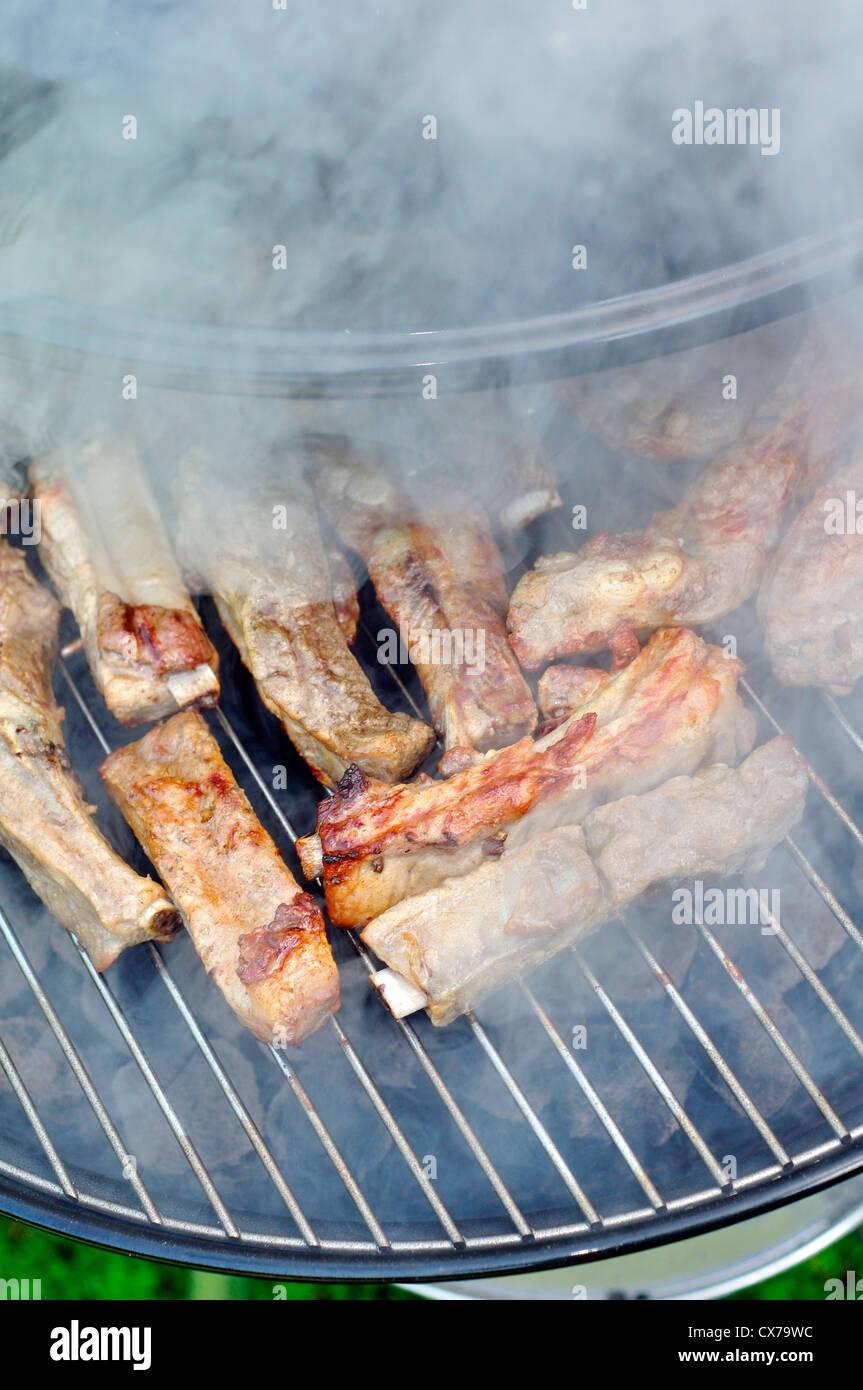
[259,552]
[673,708]
[108,556]
[45,822]
[442,583]
[259,936]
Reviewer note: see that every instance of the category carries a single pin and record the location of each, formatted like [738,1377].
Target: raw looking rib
[273,591]
[259,935]
[466,938]
[45,823]
[442,583]
[811,600]
[105,549]
[673,708]
[701,560]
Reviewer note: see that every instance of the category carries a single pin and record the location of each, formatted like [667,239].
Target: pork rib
[460,941]
[811,600]
[273,590]
[442,583]
[701,560]
[108,556]
[674,707]
[261,938]
[45,823]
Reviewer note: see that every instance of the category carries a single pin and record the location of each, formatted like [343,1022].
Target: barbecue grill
[721,1073]
[656,1082]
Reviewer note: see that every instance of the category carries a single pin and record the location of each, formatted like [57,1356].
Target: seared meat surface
[442,583]
[45,823]
[702,559]
[671,709]
[255,545]
[108,556]
[811,600]
[458,942]
[259,935]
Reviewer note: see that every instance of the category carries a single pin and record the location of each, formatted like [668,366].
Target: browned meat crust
[107,554]
[701,560]
[811,601]
[467,937]
[259,936]
[442,583]
[673,708]
[45,823]
[274,595]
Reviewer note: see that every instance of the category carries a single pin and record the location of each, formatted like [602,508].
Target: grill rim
[242,1257]
[275,361]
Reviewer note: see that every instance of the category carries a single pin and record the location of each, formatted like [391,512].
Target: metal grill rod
[739,1092]
[775,1034]
[603,1114]
[26,1102]
[79,1071]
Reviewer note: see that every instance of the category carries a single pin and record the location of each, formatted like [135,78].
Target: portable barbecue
[659,1080]
[721,1072]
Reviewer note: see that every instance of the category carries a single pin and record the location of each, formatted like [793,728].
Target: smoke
[423,167]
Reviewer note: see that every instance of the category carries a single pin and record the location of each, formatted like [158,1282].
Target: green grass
[69,1270]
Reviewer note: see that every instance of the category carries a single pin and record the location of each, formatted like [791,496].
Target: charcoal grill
[723,1071]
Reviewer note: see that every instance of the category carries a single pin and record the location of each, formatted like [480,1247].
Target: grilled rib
[460,941]
[108,556]
[673,407]
[258,934]
[442,583]
[273,590]
[45,823]
[811,600]
[674,707]
[701,560]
